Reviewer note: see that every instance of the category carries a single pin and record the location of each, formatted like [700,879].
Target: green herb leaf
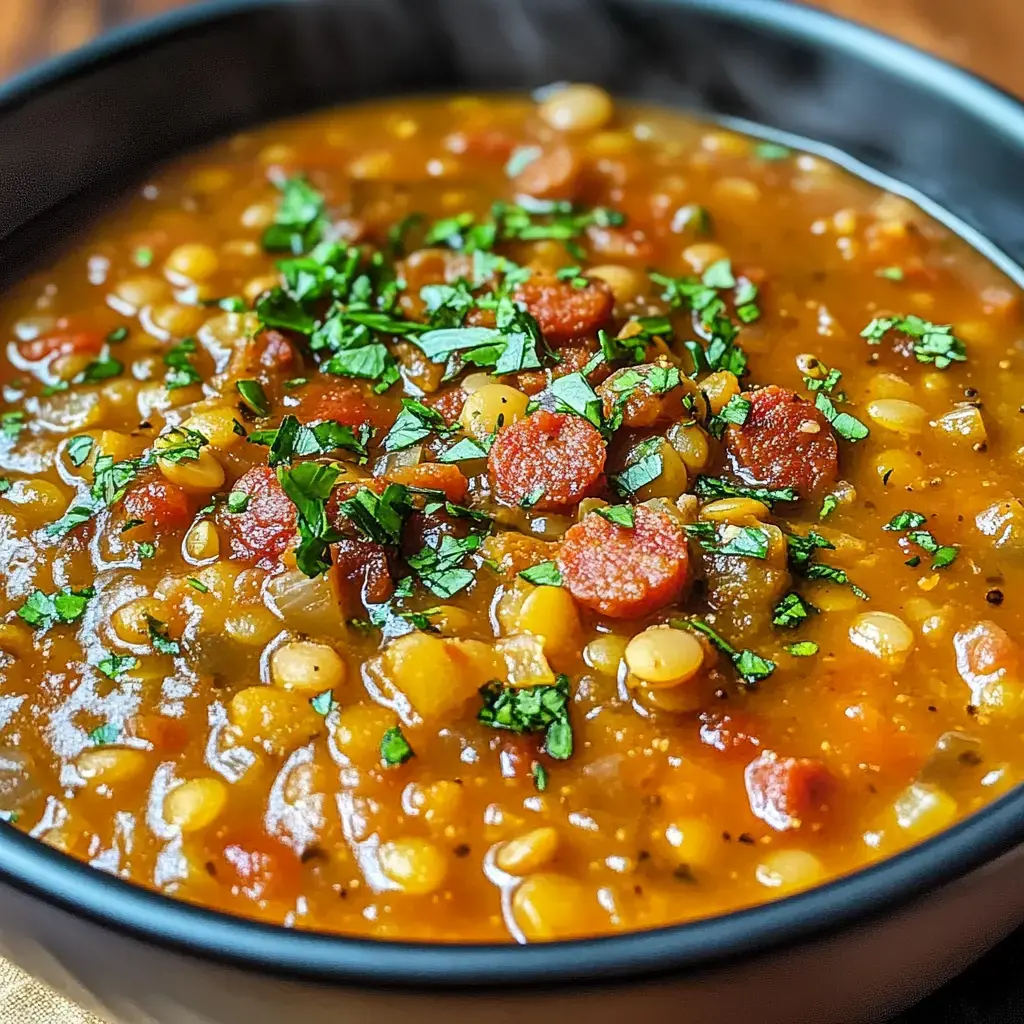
[394,747]
[711,488]
[146,549]
[294,439]
[12,424]
[309,486]
[846,426]
[521,158]
[415,423]
[104,735]
[465,450]
[540,776]
[772,151]
[379,518]
[802,649]
[323,703]
[890,273]
[750,667]
[180,371]
[78,449]
[828,505]
[791,611]
[114,665]
[299,221]
[162,643]
[543,574]
[254,397]
[100,369]
[620,515]
[932,343]
[906,520]
[197,585]
[531,709]
[440,569]
[117,335]
[42,611]
[143,256]
[645,467]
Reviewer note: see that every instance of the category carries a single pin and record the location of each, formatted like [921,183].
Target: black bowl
[78,126]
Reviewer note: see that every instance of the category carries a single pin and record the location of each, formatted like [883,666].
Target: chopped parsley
[394,747]
[78,449]
[909,523]
[890,273]
[828,505]
[309,486]
[440,568]
[906,520]
[466,449]
[710,488]
[531,709]
[197,585]
[254,397]
[540,776]
[299,222]
[117,335]
[730,539]
[323,703]
[293,439]
[180,371]
[146,549]
[415,423]
[543,574]
[237,502]
[750,667]
[645,466]
[143,256]
[378,517]
[772,151]
[104,735]
[100,369]
[802,550]
[158,637]
[114,665]
[844,424]
[802,649]
[932,343]
[736,410]
[791,611]
[620,515]
[12,424]
[521,158]
[42,610]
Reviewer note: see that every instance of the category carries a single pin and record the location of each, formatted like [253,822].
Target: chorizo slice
[555,459]
[563,311]
[552,175]
[785,442]
[786,792]
[262,531]
[624,572]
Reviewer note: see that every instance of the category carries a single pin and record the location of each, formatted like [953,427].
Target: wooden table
[983,35]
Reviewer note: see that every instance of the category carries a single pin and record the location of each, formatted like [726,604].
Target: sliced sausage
[552,175]
[623,572]
[559,455]
[345,404]
[787,792]
[563,311]
[264,529]
[785,442]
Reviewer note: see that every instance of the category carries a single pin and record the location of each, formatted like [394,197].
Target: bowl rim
[74,887]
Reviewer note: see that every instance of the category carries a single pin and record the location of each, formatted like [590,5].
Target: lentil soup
[507,518]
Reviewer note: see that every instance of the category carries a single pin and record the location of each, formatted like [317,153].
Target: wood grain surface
[983,35]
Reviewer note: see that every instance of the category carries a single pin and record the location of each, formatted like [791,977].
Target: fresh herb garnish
[292,439]
[78,449]
[104,735]
[543,574]
[843,423]
[828,505]
[114,665]
[932,343]
[531,709]
[791,611]
[540,776]
[620,515]
[100,369]
[802,649]
[197,585]
[299,221]
[158,637]
[254,397]
[710,488]
[750,667]
[644,467]
[440,568]
[415,423]
[180,371]
[394,747]
[323,703]
[42,610]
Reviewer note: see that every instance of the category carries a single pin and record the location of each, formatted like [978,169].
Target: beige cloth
[23,1000]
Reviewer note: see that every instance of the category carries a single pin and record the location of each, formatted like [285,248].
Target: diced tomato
[259,867]
[785,793]
[785,442]
[275,351]
[435,476]
[343,403]
[557,458]
[363,574]
[261,533]
[623,572]
[159,504]
[61,344]
[985,654]
[562,310]
[448,403]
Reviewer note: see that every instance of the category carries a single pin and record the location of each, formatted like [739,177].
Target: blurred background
[982,35]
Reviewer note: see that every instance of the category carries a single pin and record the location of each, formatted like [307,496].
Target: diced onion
[399,460]
[306,605]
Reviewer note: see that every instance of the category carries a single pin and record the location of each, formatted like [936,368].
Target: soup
[493,518]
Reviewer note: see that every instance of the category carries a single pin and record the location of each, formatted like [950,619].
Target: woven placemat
[23,1000]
